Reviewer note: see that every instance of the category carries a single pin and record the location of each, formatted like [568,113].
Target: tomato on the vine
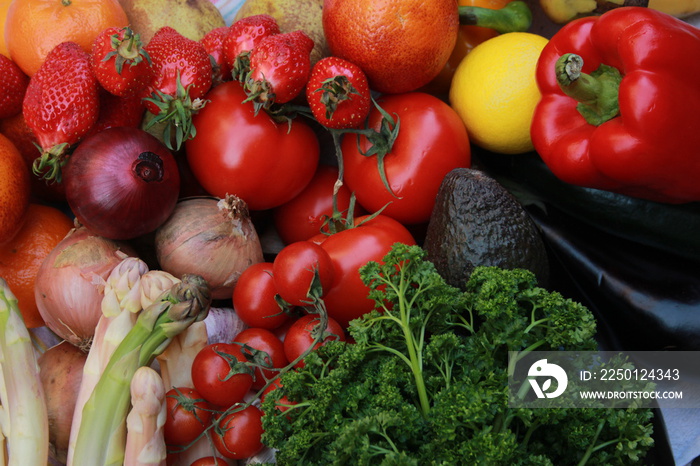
[298,269]
[303,217]
[266,349]
[188,414]
[237,435]
[209,461]
[236,151]
[302,334]
[431,141]
[220,374]
[254,298]
[351,249]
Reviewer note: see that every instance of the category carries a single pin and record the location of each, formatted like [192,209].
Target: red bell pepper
[620,106]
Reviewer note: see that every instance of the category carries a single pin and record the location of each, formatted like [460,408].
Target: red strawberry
[61,105]
[183,74]
[13,85]
[120,63]
[213,42]
[242,37]
[118,111]
[279,68]
[338,93]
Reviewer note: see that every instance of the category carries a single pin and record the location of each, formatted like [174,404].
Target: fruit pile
[270,155]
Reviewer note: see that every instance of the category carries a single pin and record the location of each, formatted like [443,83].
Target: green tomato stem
[514,17]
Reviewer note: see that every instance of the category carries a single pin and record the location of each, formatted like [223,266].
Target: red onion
[70,281]
[209,237]
[122,183]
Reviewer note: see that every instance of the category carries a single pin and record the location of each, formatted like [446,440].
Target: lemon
[495,92]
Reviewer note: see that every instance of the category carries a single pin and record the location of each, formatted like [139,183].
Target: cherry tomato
[210,461]
[302,217]
[219,375]
[264,340]
[301,335]
[295,268]
[188,414]
[236,151]
[238,435]
[432,140]
[349,251]
[254,298]
[283,403]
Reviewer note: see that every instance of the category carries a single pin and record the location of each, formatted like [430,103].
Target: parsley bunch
[426,380]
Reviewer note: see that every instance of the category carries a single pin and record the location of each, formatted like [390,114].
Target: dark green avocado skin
[476,221]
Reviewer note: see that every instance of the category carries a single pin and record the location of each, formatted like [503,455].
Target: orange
[34,27]
[4,5]
[43,229]
[400,44]
[15,189]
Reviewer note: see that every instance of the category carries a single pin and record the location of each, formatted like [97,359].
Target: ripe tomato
[432,140]
[283,402]
[264,162]
[349,251]
[263,340]
[238,435]
[209,461]
[302,334]
[302,217]
[188,414]
[254,298]
[219,375]
[295,268]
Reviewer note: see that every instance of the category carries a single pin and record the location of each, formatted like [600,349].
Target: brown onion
[70,282]
[209,237]
[61,371]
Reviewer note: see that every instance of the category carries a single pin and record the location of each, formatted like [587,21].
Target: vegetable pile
[426,380]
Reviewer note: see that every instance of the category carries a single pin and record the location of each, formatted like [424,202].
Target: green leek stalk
[24,418]
[102,435]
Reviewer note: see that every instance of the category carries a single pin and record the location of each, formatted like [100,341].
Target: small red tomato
[254,298]
[302,334]
[188,414]
[269,349]
[302,271]
[238,434]
[210,461]
[220,375]
[283,404]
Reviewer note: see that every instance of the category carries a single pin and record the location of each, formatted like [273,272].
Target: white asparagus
[24,418]
[145,440]
[176,361]
[120,307]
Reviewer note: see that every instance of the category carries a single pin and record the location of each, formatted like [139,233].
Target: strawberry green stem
[514,17]
[596,93]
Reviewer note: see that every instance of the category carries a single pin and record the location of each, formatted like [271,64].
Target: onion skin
[70,282]
[61,371]
[209,237]
[122,183]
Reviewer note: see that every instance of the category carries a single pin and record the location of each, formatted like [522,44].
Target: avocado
[475,222]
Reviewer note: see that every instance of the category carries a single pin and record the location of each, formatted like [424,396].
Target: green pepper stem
[597,93]
[514,17]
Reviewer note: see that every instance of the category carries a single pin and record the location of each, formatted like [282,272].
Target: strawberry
[120,63]
[118,111]
[243,35]
[213,42]
[61,105]
[182,75]
[338,93]
[279,68]
[13,85]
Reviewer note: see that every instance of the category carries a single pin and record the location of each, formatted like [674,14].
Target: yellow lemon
[495,92]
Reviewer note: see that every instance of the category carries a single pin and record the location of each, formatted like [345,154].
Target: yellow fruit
[495,92]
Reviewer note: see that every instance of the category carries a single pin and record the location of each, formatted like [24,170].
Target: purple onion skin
[122,183]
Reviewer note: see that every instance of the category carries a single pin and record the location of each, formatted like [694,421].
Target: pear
[191,18]
[292,15]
